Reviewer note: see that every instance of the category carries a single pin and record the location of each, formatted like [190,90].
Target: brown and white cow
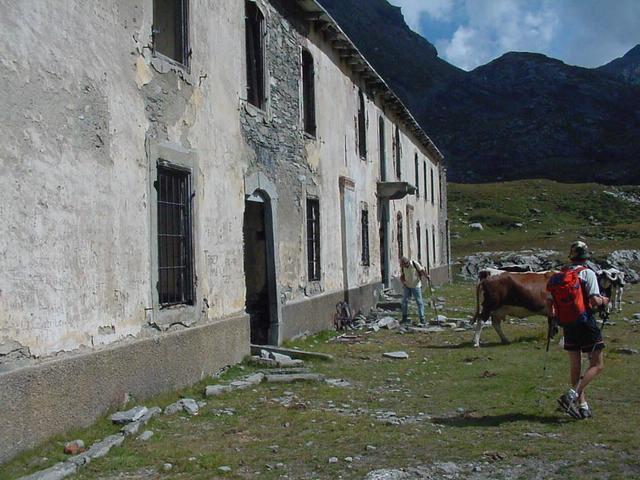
[509,293]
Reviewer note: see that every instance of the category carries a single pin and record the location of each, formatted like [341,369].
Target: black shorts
[583,335]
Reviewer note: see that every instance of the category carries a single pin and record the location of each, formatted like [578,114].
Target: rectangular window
[175,255]
[426,248]
[170,29]
[433,191]
[400,237]
[254,32]
[362,127]
[418,234]
[308,94]
[433,243]
[313,239]
[383,147]
[398,153]
[365,237]
[424,171]
[417,177]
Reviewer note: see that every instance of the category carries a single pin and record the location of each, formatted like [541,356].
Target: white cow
[612,284]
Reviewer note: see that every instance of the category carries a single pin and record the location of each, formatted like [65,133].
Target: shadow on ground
[470,420]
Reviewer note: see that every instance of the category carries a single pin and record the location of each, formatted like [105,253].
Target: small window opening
[400,236]
[308,93]
[313,239]
[254,32]
[418,234]
[383,148]
[365,237]
[433,243]
[424,171]
[398,153]
[433,191]
[170,29]
[417,165]
[362,127]
[175,255]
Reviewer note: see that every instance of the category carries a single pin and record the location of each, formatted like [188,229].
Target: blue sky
[469,33]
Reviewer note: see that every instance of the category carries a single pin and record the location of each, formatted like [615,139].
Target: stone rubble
[396,355]
[128,416]
[144,436]
[188,405]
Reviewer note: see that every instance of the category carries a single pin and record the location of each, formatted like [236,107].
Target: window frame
[362,125]
[185,49]
[365,254]
[308,100]
[400,235]
[259,100]
[397,152]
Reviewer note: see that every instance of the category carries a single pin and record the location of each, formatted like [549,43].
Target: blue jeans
[417,294]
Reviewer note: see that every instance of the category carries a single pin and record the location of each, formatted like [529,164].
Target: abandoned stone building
[181,178]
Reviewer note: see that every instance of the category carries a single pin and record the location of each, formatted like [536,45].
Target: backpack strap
[416,267]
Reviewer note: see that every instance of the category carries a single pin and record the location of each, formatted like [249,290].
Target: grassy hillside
[552,215]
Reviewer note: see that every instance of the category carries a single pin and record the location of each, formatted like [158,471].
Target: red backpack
[566,289]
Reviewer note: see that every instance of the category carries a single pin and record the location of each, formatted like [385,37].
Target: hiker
[575,296]
[411,277]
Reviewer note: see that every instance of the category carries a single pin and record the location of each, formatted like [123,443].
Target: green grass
[508,407]
[553,215]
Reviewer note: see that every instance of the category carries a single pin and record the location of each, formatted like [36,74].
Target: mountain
[626,67]
[523,115]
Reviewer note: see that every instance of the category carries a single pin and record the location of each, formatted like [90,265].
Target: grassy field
[553,215]
[490,408]
[491,411]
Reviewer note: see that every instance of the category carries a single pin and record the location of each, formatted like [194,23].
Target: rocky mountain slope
[522,115]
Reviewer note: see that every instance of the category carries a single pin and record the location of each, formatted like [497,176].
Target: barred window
[433,191]
[175,254]
[170,29]
[433,243]
[364,219]
[254,34]
[313,239]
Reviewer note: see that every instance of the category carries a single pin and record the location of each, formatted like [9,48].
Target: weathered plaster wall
[82,97]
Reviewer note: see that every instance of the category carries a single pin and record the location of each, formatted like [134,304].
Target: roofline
[358,63]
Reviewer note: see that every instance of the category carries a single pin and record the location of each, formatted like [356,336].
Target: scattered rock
[387,474]
[57,472]
[74,447]
[476,226]
[333,460]
[167,467]
[388,322]
[396,355]
[215,390]
[188,405]
[348,459]
[626,351]
[338,382]
[129,416]
[294,377]
[224,469]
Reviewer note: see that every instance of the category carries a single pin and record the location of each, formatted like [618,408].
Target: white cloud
[414,9]
[496,27]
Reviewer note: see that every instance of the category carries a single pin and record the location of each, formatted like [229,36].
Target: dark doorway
[256,251]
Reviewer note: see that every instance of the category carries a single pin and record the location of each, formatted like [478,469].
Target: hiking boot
[585,412]
[567,403]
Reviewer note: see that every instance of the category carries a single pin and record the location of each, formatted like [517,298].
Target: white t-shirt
[411,277]
[589,280]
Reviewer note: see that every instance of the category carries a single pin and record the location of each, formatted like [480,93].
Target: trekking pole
[551,332]
[433,301]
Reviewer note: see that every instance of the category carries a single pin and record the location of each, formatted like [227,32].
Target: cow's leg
[496,321]
[618,302]
[476,336]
